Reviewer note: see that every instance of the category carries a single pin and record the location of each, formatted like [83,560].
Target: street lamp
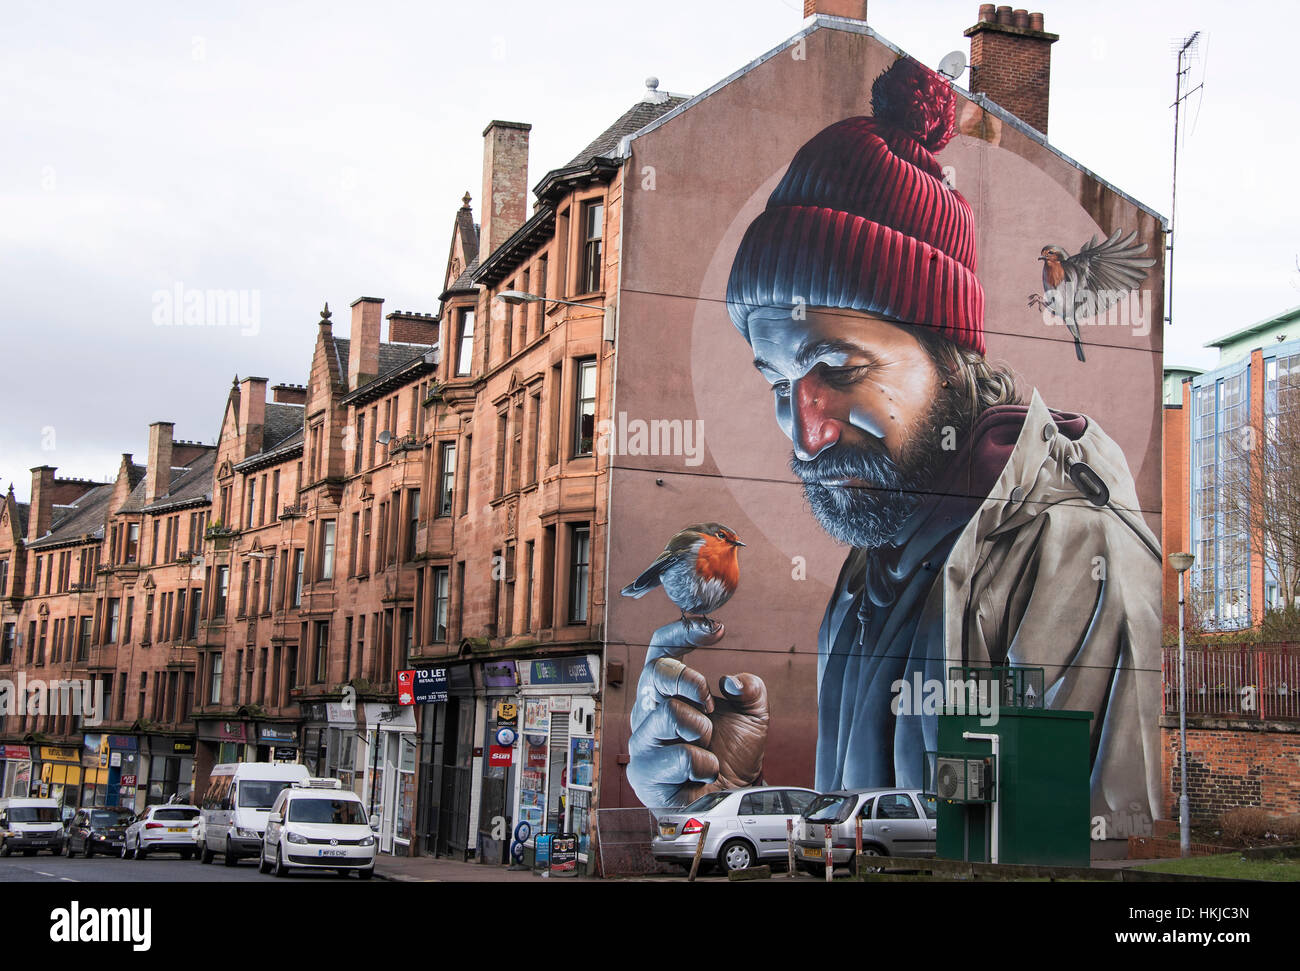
[517,297]
[1182,562]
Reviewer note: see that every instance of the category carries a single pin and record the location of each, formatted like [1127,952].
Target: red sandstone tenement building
[435,496]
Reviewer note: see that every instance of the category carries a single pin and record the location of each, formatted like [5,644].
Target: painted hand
[685,741]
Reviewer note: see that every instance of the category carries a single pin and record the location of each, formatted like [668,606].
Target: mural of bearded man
[984,527]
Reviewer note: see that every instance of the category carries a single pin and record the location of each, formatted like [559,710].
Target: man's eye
[842,377]
[781,389]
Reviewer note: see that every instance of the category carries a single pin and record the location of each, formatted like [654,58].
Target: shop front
[556,748]
[496,740]
[57,774]
[171,769]
[278,743]
[111,767]
[219,742]
[330,743]
[447,769]
[15,770]
[389,782]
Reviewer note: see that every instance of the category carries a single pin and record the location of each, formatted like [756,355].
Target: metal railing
[1259,682]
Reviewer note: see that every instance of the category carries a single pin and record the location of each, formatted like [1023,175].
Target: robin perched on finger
[1087,283]
[699,569]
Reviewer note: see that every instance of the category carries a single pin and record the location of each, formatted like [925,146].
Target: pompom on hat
[863,220]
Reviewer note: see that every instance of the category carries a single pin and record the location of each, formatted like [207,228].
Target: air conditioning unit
[318,782]
[960,780]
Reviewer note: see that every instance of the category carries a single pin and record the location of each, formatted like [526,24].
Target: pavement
[427,869]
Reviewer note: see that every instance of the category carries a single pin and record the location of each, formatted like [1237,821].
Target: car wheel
[367,873]
[140,851]
[59,850]
[263,864]
[5,850]
[72,853]
[737,855]
[280,869]
[126,854]
[187,854]
[205,854]
[229,859]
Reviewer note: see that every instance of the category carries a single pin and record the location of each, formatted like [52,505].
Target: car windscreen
[107,819]
[176,812]
[35,814]
[339,812]
[930,805]
[706,802]
[830,809]
[259,793]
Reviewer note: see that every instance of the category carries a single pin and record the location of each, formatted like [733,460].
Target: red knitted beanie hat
[864,220]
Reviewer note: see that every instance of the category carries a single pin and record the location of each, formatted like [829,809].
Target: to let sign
[422,686]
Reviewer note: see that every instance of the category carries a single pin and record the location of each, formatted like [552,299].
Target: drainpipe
[994,740]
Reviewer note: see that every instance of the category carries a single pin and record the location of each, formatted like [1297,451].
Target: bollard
[857,836]
[789,848]
[830,856]
[699,851]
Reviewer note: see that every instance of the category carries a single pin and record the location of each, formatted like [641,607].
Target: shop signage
[284,754]
[337,712]
[506,736]
[232,731]
[115,759]
[50,754]
[272,736]
[499,674]
[561,670]
[124,742]
[500,755]
[422,686]
[564,853]
[15,752]
[182,748]
[507,712]
[127,782]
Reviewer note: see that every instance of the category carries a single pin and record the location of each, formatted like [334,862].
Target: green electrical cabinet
[1041,796]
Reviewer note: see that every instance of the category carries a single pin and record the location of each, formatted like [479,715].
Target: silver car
[895,822]
[746,826]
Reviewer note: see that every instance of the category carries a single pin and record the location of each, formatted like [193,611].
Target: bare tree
[1259,475]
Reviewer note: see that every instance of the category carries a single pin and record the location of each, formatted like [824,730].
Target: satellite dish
[953,65]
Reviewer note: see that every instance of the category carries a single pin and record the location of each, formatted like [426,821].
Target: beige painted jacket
[1071,584]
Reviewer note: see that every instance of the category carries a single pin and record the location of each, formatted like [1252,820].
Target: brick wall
[1233,764]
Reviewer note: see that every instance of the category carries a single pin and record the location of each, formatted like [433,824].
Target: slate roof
[391,356]
[282,421]
[632,121]
[135,478]
[466,279]
[72,522]
[22,517]
[189,484]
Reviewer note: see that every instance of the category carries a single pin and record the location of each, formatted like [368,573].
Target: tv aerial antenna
[1187,51]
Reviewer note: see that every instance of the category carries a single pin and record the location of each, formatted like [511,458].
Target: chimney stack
[848,9]
[252,415]
[158,471]
[505,183]
[407,327]
[363,349]
[41,512]
[289,394]
[1011,61]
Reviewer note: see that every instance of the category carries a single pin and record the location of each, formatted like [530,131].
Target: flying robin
[1085,284]
[699,569]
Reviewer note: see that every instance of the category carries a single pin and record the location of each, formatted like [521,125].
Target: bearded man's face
[865,407]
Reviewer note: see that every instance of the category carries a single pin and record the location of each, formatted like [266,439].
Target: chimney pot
[1020,18]
[1005,16]
[988,13]
[1011,63]
[504,201]
[1036,21]
[847,9]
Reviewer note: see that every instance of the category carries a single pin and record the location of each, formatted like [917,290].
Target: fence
[623,840]
[1260,682]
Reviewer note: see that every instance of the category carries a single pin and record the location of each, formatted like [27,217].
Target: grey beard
[869,516]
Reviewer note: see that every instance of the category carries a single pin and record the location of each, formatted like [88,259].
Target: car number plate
[177,829]
[333,852]
[667,830]
[813,851]
[40,842]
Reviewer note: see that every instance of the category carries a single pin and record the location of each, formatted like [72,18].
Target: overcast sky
[318,151]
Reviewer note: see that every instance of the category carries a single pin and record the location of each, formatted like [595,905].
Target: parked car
[317,824]
[895,822]
[238,799]
[31,826]
[99,830]
[161,829]
[746,826]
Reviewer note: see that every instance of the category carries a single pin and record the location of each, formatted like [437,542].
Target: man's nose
[814,429]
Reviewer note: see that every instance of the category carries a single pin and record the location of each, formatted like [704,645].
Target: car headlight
[248,834]
[295,838]
[366,841]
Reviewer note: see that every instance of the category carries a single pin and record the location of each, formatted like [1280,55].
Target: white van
[31,825]
[236,805]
